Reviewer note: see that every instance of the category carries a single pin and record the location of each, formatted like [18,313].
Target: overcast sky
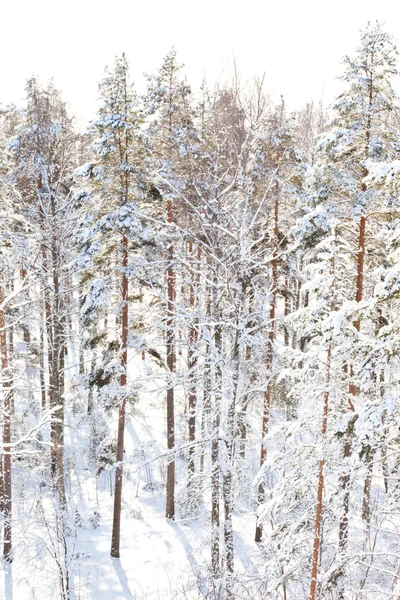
[297,43]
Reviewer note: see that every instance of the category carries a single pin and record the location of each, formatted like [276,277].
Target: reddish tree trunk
[345,479]
[116,529]
[318,514]
[269,357]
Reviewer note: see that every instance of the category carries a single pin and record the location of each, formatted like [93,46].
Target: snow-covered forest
[199,340]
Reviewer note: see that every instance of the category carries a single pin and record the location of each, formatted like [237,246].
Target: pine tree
[167,100]
[361,134]
[112,227]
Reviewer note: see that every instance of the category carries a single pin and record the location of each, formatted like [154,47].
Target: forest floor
[160,560]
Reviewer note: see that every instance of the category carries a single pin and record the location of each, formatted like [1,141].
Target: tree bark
[116,529]
[318,514]
[192,361]
[171,359]
[8,392]
[206,408]
[58,364]
[270,354]
[41,362]
[50,350]
[215,466]
[345,478]
[227,479]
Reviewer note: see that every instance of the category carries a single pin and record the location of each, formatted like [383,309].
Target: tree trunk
[242,415]
[345,478]
[385,463]
[50,350]
[366,512]
[90,392]
[215,466]
[1,483]
[206,408]
[41,362]
[270,354]
[227,480]
[192,361]
[58,358]
[81,343]
[170,348]
[116,529]
[318,514]
[8,392]
[287,294]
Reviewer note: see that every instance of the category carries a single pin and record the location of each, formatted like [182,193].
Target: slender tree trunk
[242,416]
[287,309]
[90,392]
[345,478]
[116,529]
[81,343]
[10,347]
[192,361]
[206,408]
[318,514]
[7,391]
[50,352]
[170,348]
[1,483]
[227,480]
[385,463]
[216,363]
[270,354]
[58,356]
[41,362]
[215,466]
[366,511]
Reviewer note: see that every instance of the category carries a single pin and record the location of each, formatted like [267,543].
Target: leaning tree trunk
[8,392]
[116,529]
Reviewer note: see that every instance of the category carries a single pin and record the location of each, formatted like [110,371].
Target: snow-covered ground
[160,559]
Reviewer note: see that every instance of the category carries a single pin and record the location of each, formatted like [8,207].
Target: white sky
[297,43]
